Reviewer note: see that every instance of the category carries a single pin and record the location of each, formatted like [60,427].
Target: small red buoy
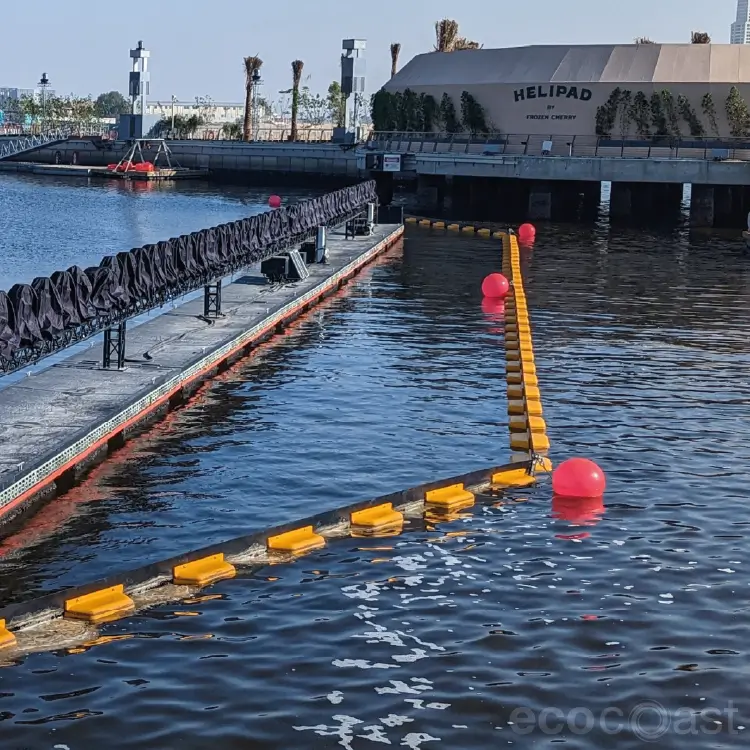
[274,201]
[578,477]
[495,285]
[526,233]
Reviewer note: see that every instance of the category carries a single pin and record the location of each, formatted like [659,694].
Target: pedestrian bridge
[579,158]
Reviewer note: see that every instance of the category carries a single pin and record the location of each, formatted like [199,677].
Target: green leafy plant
[448,115]
[658,118]
[337,104]
[625,101]
[737,114]
[472,114]
[381,111]
[412,118]
[709,110]
[430,113]
[640,114]
[670,112]
[606,114]
[690,116]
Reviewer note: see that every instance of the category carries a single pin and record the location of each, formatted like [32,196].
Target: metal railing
[73,129]
[14,146]
[582,146]
[269,135]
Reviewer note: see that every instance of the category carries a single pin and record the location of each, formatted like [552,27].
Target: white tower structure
[740,33]
[140,79]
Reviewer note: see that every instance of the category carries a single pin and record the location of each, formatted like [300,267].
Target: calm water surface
[503,627]
[51,223]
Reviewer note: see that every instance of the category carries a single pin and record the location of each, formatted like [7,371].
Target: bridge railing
[583,146]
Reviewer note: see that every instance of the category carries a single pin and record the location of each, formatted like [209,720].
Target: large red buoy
[274,201]
[526,233]
[495,285]
[578,478]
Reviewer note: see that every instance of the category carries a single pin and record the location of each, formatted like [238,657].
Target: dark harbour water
[504,627]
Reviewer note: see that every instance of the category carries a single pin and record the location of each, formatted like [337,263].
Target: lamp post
[44,85]
[257,81]
[174,99]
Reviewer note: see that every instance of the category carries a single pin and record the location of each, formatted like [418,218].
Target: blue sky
[197,46]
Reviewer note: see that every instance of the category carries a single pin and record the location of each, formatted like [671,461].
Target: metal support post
[212,300]
[114,347]
[321,245]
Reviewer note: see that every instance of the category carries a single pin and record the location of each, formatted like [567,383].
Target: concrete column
[427,194]
[384,187]
[702,206]
[620,201]
[591,200]
[645,201]
[540,202]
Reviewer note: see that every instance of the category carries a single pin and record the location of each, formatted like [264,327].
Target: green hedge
[408,111]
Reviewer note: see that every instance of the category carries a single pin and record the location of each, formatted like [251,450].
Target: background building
[557,90]
[740,31]
[216,112]
[13,94]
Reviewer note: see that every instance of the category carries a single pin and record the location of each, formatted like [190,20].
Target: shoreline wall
[232,160]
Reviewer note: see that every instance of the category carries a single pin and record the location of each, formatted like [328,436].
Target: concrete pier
[645,200]
[57,422]
[721,206]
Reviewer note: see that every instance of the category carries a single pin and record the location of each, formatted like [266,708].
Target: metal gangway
[14,145]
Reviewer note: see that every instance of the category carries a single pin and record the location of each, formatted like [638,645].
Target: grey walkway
[55,416]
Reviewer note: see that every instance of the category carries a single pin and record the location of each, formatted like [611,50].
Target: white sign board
[391,162]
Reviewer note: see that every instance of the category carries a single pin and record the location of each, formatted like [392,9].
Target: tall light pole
[174,99]
[257,81]
[44,85]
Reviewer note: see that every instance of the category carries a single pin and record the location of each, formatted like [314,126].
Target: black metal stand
[114,347]
[212,300]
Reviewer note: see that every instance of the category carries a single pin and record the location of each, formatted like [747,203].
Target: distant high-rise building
[740,33]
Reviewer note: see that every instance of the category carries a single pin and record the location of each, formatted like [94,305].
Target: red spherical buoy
[578,478]
[274,201]
[495,285]
[526,233]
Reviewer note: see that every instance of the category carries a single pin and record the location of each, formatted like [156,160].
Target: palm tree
[252,67]
[297,67]
[447,38]
[395,52]
[700,37]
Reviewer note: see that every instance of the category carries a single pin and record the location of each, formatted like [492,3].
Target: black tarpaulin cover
[102,284]
[48,308]
[127,283]
[23,299]
[9,339]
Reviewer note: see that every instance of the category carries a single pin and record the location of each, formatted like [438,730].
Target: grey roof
[595,63]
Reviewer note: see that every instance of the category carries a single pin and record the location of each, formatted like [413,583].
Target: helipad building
[556,89]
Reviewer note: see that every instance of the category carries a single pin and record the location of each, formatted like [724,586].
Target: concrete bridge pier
[719,206]
[702,206]
[563,200]
[384,186]
[645,200]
